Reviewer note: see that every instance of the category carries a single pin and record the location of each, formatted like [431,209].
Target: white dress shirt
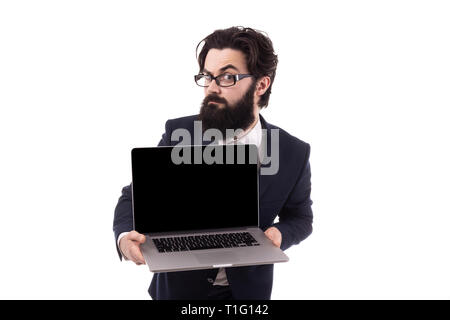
[250,136]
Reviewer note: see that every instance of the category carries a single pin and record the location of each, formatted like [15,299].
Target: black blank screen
[180,197]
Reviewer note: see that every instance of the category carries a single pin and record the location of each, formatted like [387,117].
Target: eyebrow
[228,66]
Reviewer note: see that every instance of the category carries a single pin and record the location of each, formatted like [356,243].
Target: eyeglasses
[222,80]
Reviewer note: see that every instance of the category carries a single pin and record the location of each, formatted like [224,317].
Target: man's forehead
[219,60]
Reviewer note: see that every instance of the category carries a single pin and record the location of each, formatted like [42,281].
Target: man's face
[230,107]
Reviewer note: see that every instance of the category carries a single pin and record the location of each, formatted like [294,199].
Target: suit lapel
[265,180]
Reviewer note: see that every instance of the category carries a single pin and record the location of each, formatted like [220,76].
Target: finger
[136,255]
[277,242]
[274,236]
[275,239]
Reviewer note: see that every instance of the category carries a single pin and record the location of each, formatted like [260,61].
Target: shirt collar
[250,136]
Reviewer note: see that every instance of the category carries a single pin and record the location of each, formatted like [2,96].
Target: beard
[237,116]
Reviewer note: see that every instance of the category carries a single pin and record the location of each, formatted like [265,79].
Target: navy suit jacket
[286,194]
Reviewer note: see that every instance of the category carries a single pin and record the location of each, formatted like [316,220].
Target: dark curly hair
[257,48]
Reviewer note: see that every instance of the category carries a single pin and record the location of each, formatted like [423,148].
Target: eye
[227,77]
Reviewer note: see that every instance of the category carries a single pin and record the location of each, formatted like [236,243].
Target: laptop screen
[182,188]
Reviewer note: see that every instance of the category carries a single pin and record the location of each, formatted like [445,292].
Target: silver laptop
[199,207]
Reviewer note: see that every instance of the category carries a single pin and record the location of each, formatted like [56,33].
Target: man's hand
[130,247]
[275,235]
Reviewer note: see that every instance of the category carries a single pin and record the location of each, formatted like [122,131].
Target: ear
[262,85]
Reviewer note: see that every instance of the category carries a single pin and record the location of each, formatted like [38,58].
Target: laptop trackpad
[216,257]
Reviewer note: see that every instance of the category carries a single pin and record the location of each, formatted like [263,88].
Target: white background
[366,83]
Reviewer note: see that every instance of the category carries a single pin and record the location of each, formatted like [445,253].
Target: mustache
[214,98]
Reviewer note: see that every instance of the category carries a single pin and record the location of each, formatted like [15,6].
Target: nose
[212,88]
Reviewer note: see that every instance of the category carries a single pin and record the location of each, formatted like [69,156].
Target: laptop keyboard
[203,242]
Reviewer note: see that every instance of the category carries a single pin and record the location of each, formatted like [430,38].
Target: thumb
[269,233]
[141,239]
[274,235]
[136,236]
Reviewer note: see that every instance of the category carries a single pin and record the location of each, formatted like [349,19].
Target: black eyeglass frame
[236,78]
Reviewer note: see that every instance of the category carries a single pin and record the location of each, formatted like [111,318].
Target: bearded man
[237,68]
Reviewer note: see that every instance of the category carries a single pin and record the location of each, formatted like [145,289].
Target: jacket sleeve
[296,217]
[123,214]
